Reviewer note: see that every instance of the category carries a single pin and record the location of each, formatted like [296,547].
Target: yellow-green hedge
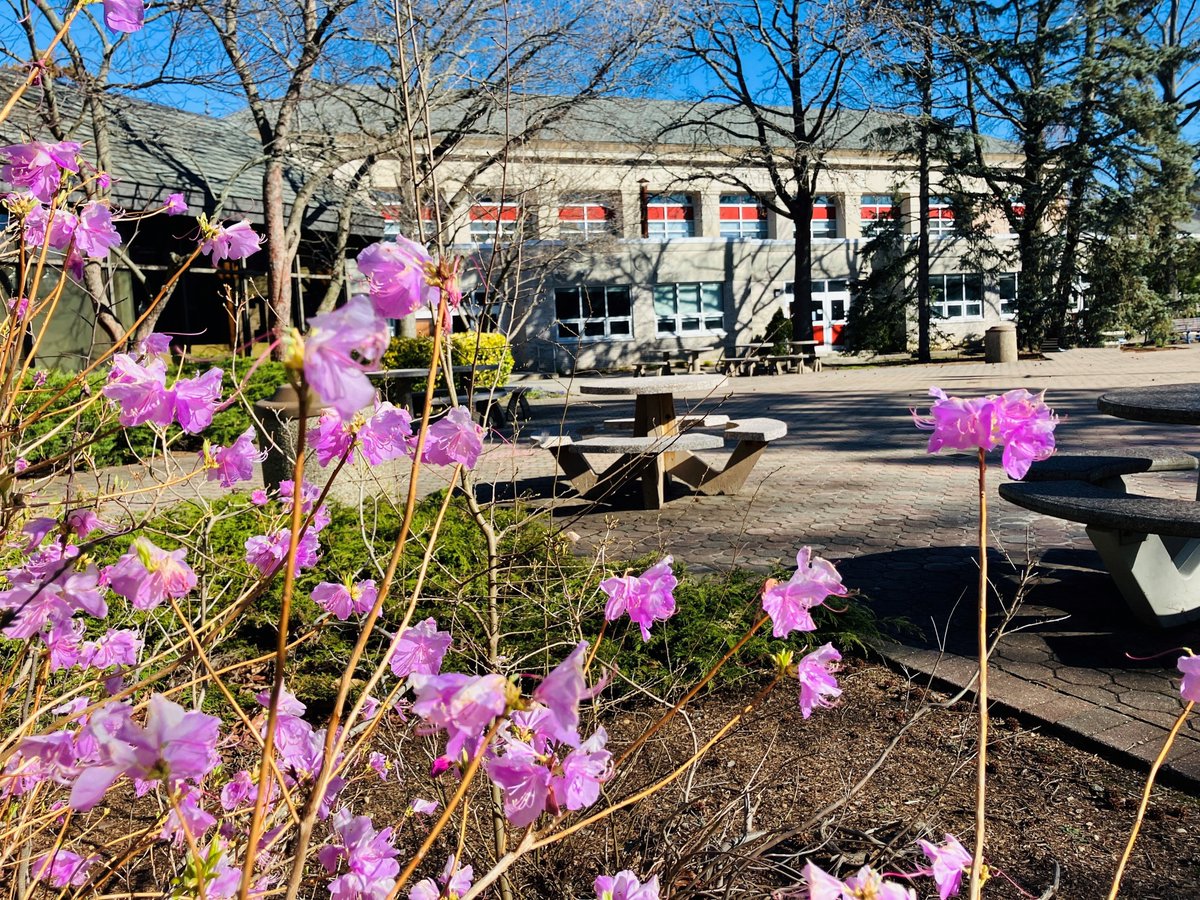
[492,349]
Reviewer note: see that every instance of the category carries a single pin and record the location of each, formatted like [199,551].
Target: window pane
[710,298]
[953,310]
[666,326]
[618,301]
[689,323]
[593,328]
[973,288]
[593,303]
[664,300]
[974,309]
[836,286]
[838,309]
[566,303]
[619,326]
[688,297]
[568,329]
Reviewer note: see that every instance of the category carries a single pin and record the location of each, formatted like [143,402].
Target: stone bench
[1149,545]
[1106,467]
[759,430]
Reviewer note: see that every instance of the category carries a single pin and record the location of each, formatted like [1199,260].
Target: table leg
[654,415]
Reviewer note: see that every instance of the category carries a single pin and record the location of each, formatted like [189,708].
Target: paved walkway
[853,481]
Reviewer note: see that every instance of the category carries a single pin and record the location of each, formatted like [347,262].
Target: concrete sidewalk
[853,481]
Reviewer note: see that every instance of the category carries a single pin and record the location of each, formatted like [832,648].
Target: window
[689,308]
[593,311]
[941,216]
[1017,207]
[875,208]
[493,220]
[585,219]
[478,311]
[742,216]
[824,220]
[670,216]
[1006,287]
[956,296]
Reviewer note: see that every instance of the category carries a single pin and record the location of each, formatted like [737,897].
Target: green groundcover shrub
[544,590]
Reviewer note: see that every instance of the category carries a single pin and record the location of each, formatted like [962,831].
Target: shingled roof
[158,150]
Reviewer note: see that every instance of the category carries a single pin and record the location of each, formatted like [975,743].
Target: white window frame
[741,227]
[705,321]
[1016,294]
[580,322]
[943,300]
[487,231]
[586,227]
[942,226]
[661,229]
[879,203]
[824,201]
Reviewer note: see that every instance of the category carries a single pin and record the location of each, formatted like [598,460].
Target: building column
[630,212]
[849,208]
[707,206]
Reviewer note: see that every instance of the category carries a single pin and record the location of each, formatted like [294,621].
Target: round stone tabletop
[659,384]
[1170,404]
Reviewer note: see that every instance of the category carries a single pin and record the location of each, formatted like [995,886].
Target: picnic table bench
[1150,545]
[1186,330]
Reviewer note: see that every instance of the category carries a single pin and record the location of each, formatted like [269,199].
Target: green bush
[779,333]
[474,348]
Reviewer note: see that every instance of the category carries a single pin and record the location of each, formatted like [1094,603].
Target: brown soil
[1052,806]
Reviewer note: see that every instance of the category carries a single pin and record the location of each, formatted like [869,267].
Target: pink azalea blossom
[147,575]
[821,885]
[61,228]
[398,273]
[647,598]
[267,552]
[524,782]
[379,764]
[454,439]
[197,399]
[387,435]
[421,807]
[289,704]
[154,344]
[140,391]
[625,886]
[39,167]
[175,745]
[239,791]
[236,241]
[124,16]
[344,600]
[455,881]
[118,647]
[789,604]
[1189,688]
[331,438]
[462,705]
[84,521]
[420,650]
[95,234]
[175,205]
[583,771]
[234,463]
[369,856]
[561,692]
[186,817]
[62,868]
[63,643]
[949,862]
[338,349]
[815,673]
[869,883]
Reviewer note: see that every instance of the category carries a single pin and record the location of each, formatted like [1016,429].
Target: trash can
[1000,343]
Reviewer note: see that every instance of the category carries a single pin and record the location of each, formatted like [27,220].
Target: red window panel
[494,212]
[670,213]
[584,212]
[745,213]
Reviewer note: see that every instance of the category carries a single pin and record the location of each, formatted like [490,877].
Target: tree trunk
[802,323]
[279,282]
[97,291]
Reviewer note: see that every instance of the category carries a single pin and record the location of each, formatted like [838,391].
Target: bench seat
[1098,466]
[761,429]
[642,445]
[1091,504]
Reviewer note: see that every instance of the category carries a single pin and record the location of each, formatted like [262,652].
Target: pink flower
[331,438]
[234,463]
[387,435]
[186,818]
[338,349]
[175,205]
[815,673]
[421,807]
[461,705]
[454,439]
[950,860]
[124,15]
[147,575]
[174,746]
[789,604]
[455,882]
[140,391]
[343,600]
[1018,420]
[821,885]
[197,399]
[84,521]
[397,273]
[95,234]
[647,598]
[154,344]
[583,771]
[561,692]
[39,167]
[118,647]
[239,791]
[523,781]
[1189,688]
[236,241]
[267,552]
[62,227]
[625,886]
[420,650]
[369,855]
[379,764]
[869,883]
[62,868]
